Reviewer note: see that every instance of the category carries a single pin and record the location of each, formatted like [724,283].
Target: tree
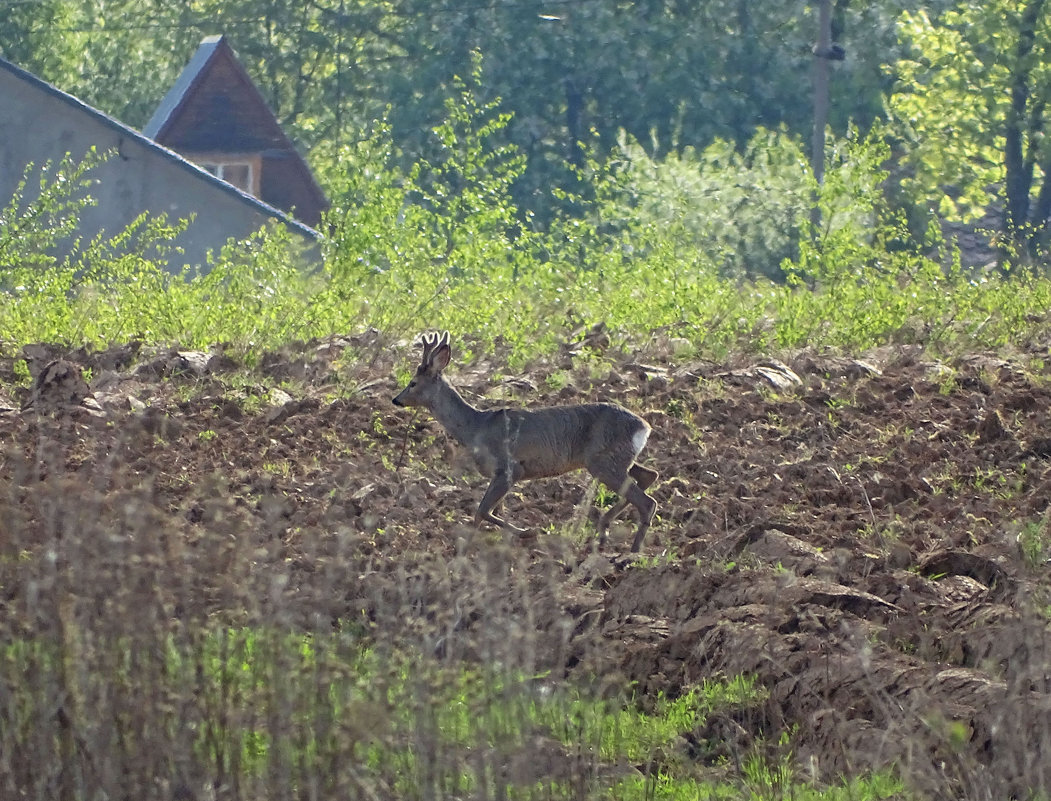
[670,73]
[971,103]
[35,36]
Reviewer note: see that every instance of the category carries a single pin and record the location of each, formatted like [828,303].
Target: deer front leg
[498,488]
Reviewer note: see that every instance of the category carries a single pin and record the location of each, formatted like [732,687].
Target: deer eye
[412,383]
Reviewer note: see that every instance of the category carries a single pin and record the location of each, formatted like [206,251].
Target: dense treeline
[957,91]
[686,71]
[671,74]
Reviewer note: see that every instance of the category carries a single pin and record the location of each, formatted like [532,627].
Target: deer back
[555,440]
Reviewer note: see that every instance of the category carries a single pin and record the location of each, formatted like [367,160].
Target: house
[40,123]
[216,117]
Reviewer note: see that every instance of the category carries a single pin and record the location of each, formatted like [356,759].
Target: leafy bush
[744,210]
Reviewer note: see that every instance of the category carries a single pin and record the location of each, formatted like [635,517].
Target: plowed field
[867,536]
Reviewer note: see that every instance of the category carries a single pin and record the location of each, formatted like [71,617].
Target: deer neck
[459,418]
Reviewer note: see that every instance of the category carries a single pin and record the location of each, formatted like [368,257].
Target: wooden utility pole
[822,54]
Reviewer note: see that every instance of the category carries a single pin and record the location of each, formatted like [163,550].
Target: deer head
[425,386]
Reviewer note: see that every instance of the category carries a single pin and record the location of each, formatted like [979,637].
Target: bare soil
[866,536]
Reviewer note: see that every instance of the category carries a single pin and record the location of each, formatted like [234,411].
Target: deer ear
[440,360]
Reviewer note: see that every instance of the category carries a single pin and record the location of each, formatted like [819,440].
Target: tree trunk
[1018,128]
[822,68]
[821,75]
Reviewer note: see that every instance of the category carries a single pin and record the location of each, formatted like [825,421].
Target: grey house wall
[38,122]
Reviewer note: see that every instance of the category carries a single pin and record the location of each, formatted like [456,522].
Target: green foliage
[744,210]
[947,92]
[684,245]
[467,193]
[257,290]
[1034,542]
[616,732]
[35,222]
[437,244]
[970,108]
[35,36]
[666,788]
[60,288]
[690,74]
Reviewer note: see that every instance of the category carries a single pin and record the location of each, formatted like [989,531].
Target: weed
[559,379]
[1034,541]
[604,496]
[677,409]
[21,372]
[948,381]
[283,468]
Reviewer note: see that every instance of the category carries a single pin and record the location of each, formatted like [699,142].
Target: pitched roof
[215,106]
[215,63]
[191,73]
[148,142]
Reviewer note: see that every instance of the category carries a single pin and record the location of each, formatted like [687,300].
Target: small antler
[430,343]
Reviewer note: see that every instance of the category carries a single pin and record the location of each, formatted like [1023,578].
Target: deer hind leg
[630,482]
[643,476]
[498,488]
[647,509]
[608,517]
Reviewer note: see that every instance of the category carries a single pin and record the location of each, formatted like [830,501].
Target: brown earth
[865,536]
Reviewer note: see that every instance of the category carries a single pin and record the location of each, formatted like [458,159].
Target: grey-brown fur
[513,444]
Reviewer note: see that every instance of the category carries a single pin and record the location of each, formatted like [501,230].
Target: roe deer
[513,444]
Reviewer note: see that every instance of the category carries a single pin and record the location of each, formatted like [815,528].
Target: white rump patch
[638,441]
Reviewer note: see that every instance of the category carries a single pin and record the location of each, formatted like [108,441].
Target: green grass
[858,309]
[1034,542]
[254,704]
[758,788]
